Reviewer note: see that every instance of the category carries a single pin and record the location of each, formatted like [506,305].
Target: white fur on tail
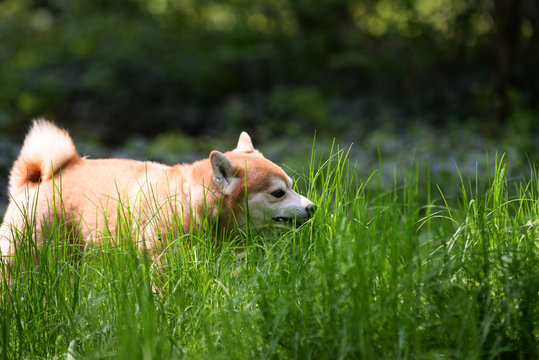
[45,150]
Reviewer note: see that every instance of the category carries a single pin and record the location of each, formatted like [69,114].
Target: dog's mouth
[282,220]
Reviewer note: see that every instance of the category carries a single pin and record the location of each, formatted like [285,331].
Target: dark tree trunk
[508,18]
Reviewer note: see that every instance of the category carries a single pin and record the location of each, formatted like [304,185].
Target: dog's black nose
[310,209]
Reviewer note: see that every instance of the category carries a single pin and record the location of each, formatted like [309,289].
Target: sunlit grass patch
[379,272]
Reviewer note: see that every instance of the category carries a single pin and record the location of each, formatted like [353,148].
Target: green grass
[386,269]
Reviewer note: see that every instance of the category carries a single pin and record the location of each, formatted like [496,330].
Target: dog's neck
[191,203]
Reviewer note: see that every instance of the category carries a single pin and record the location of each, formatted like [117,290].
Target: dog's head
[255,188]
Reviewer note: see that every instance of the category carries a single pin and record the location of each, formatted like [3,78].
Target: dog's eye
[278,193]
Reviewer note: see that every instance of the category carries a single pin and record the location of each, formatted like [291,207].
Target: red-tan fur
[89,192]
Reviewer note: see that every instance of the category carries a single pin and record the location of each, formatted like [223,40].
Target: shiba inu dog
[49,180]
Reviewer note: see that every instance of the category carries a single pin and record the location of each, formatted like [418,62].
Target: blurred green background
[442,80]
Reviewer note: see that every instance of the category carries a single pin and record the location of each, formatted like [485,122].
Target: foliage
[142,66]
[377,273]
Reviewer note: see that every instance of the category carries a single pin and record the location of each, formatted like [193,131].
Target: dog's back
[50,179]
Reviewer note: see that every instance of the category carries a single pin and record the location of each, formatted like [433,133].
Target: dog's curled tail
[45,150]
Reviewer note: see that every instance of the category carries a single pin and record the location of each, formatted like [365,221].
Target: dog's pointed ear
[223,168]
[244,143]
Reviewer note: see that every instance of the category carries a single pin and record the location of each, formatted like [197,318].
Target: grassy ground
[382,271]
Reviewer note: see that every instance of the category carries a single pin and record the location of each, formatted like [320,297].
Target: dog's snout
[310,209]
